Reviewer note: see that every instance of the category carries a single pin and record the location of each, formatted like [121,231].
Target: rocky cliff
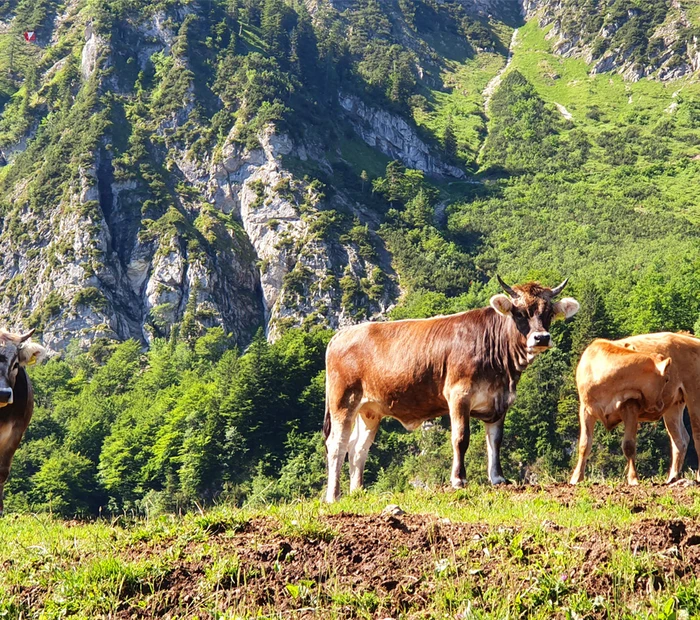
[650,39]
[136,240]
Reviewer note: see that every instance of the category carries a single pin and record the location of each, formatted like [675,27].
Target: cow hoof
[682,482]
[459,483]
[633,483]
[499,480]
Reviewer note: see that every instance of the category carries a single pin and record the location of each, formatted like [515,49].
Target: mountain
[225,162]
[225,180]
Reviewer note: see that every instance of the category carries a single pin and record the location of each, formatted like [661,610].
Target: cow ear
[566,308]
[663,366]
[31,353]
[502,304]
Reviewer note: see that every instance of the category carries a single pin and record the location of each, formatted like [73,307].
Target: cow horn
[27,335]
[505,287]
[558,289]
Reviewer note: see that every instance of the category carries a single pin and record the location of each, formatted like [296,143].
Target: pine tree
[591,321]
[294,62]
[419,211]
[232,9]
[272,27]
[189,329]
[364,177]
[449,139]
[252,11]
[306,47]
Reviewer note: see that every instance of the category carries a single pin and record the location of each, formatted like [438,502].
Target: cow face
[532,308]
[15,351]
[657,380]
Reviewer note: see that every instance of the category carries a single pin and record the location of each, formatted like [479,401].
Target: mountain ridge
[194,163]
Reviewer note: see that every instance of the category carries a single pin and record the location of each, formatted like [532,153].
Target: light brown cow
[16,396]
[465,365]
[617,384]
[683,389]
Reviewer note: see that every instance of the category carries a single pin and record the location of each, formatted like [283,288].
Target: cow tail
[327,414]
[327,420]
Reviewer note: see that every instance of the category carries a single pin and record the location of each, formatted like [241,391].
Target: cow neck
[513,346]
[22,391]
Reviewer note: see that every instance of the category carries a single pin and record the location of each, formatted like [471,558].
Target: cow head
[532,307]
[656,382]
[15,350]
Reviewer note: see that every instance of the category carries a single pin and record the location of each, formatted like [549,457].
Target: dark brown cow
[16,396]
[465,365]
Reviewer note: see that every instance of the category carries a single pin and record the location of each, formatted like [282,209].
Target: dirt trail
[496,80]
[493,84]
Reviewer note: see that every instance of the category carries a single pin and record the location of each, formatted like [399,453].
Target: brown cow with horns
[465,365]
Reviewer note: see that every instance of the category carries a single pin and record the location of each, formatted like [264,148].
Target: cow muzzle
[538,341]
[6,396]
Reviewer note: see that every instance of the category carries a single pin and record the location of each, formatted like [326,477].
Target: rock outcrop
[241,242]
[668,51]
[394,137]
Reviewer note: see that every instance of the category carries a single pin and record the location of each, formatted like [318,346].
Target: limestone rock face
[299,269]
[229,235]
[394,137]
[675,54]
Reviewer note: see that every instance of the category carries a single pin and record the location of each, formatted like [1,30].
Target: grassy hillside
[536,552]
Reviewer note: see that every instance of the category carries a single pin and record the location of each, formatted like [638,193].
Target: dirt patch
[349,565]
[394,557]
[393,564]
[636,498]
[386,554]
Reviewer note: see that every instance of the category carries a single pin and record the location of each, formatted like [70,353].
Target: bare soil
[401,560]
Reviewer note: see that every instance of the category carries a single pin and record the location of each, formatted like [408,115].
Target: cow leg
[629,440]
[585,442]
[693,405]
[337,448]
[5,463]
[494,438]
[459,423]
[673,419]
[363,435]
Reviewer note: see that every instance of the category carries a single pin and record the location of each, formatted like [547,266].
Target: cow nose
[6,396]
[539,339]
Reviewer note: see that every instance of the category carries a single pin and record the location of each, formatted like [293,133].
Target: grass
[462,102]
[567,81]
[359,156]
[528,558]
